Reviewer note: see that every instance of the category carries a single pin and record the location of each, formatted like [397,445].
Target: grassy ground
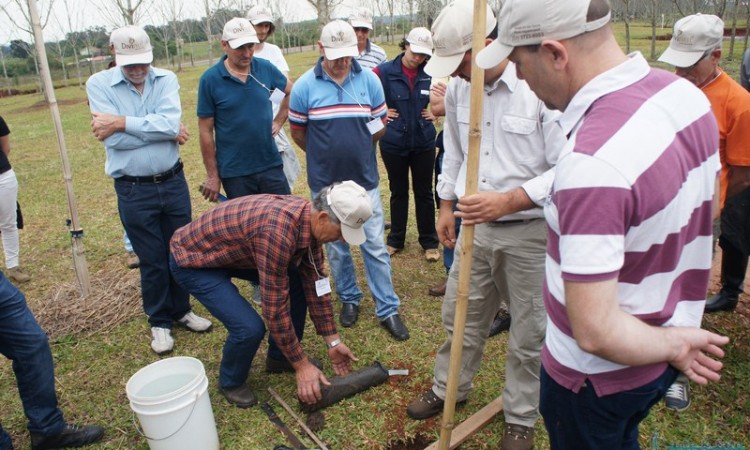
[92,369]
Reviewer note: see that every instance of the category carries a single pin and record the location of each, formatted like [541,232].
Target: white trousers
[8,225]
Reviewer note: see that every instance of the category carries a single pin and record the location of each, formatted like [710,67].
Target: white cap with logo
[238,32]
[131,45]
[420,41]
[339,40]
[352,206]
[259,14]
[529,22]
[693,36]
[361,18]
[452,33]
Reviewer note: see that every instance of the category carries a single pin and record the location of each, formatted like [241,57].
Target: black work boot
[70,436]
[733,268]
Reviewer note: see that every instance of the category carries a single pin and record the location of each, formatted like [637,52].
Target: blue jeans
[377,265]
[24,342]
[585,421]
[215,290]
[151,212]
[271,181]
[448,252]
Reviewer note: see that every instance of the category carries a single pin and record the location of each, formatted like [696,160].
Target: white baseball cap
[361,18]
[238,32]
[132,46]
[529,22]
[420,41]
[352,206]
[259,14]
[339,40]
[452,34]
[693,36]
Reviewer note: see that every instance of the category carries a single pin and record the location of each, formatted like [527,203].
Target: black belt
[158,178]
[501,223]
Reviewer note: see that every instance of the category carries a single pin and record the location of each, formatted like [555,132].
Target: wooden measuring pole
[76,232]
[467,231]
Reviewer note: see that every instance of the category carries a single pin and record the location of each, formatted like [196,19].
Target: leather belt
[501,223]
[158,178]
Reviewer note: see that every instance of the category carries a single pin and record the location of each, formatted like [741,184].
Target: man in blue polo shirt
[336,114]
[236,120]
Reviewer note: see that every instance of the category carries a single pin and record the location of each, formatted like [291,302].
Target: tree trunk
[734,32]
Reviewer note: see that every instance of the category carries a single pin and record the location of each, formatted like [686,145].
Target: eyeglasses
[361,29]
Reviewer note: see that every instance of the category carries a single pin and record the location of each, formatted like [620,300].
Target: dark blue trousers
[24,342]
[151,212]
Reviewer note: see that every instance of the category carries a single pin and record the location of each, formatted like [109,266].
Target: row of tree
[175,39]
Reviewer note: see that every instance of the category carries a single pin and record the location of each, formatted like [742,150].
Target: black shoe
[283,365]
[70,436]
[349,314]
[387,225]
[241,396]
[396,327]
[500,323]
[721,302]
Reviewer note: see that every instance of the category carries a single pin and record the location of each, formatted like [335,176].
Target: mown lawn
[92,368]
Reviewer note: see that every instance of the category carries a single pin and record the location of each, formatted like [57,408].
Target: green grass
[92,371]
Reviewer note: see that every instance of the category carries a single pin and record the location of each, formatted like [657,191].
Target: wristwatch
[334,343]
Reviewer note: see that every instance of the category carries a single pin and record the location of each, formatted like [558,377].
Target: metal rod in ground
[296,417]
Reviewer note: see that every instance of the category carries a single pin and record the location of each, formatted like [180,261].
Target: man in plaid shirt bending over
[275,241]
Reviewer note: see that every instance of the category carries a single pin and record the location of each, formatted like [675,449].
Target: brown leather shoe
[439,289]
[518,437]
[241,396]
[427,405]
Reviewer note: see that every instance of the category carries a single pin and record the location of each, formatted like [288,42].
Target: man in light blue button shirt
[136,112]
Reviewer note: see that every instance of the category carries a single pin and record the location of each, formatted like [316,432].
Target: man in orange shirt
[695,51]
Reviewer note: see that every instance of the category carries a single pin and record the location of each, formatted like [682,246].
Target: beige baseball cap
[238,32]
[529,22]
[693,36]
[132,46]
[352,206]
[339,40]
[420,41]
[259,14]
[361,18]
[452,33]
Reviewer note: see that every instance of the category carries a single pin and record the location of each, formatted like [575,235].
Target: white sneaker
[194,322]
[161,341]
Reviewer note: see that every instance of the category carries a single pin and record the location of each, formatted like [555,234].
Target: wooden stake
[76,232]
[473,424]
[309,432]
[467,231]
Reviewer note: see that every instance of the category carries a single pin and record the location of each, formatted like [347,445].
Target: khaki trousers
[507,265]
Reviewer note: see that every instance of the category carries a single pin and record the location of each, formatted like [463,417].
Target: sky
[86,13]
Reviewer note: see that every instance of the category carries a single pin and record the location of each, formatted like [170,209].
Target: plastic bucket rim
[132,383]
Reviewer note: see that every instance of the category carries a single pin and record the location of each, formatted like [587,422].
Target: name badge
[425,91]
[277,96]
[375,125]
[323,286]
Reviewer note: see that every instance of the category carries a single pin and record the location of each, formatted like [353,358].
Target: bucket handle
[138,428]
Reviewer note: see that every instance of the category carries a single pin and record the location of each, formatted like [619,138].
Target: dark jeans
[215,290]
[584,421]
[271,181]
[420,164]
[735,242]
[24,342]
[151,212]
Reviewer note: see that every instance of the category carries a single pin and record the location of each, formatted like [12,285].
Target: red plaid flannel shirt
[267,233]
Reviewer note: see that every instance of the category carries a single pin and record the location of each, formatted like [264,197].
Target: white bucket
[170,398]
